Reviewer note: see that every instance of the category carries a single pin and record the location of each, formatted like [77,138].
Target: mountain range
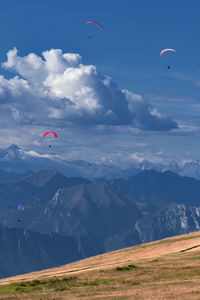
[15,163]
[90,216]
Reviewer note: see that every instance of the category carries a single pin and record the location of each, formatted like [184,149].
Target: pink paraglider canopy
[99,25]
[54,133]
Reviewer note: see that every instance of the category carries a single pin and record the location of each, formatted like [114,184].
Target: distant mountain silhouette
[18,161]
[15,160]
[159,189]
[25,251]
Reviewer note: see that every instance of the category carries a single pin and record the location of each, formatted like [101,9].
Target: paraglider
[53,132]
[166,51]
[20,207]
[50,132]
[99,25]
[96,23]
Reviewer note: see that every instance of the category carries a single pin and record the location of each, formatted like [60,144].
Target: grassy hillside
[166,269]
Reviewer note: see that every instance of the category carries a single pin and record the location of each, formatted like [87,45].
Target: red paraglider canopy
[167,50]
[99,25]
[54,133]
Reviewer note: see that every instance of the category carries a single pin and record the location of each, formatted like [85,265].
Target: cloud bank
[59,89]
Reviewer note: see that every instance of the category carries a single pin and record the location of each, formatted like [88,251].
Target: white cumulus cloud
[59,89]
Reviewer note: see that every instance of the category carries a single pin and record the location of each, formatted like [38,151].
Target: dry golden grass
[166,269]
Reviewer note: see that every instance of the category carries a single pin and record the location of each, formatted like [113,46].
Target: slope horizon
[151,268]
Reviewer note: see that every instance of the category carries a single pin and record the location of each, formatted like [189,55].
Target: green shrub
[126,268]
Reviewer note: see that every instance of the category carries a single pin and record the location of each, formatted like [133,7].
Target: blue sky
[105,129]
[134,34]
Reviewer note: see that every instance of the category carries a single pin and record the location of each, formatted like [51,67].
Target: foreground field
[167,269]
